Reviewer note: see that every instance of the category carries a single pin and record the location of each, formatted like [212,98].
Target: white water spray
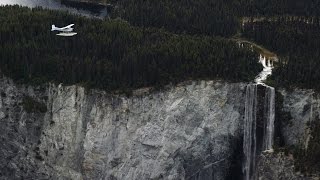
[267,70]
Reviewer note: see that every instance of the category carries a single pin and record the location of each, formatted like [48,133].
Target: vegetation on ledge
[112,54]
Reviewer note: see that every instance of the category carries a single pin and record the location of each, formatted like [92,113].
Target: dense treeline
[297,41]
[212,17]
[112,54]
[280,7]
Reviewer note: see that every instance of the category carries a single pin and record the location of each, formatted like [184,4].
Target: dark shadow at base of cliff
[282,119]
[235,170]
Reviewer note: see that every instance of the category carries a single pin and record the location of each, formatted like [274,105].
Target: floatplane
[64,31]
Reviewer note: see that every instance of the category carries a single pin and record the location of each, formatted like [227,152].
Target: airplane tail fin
[53,27]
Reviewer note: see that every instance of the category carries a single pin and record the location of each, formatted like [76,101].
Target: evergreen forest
[297,42]
[112,54]
[150,43]
[211,17]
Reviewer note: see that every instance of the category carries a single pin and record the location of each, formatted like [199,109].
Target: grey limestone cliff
[277,166]
[184,132]
[303,107]
[189,131]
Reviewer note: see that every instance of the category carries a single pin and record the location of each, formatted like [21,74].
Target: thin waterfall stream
[258,121]
[269,112]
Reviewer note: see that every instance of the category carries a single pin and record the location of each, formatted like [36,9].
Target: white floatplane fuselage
[64,31]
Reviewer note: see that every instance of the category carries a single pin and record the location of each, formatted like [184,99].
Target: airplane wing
[67,27]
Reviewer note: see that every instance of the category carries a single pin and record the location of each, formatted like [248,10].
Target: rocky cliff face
[278,166]
[303,107]
[185,132]
[191,131]
[90,1]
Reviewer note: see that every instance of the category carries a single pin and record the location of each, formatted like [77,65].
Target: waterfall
[269,113]
[251,145]
[249,139]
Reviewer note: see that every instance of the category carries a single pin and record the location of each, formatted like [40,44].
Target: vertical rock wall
[184,132]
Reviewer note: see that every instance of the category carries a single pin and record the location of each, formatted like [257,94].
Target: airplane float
[64,31]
